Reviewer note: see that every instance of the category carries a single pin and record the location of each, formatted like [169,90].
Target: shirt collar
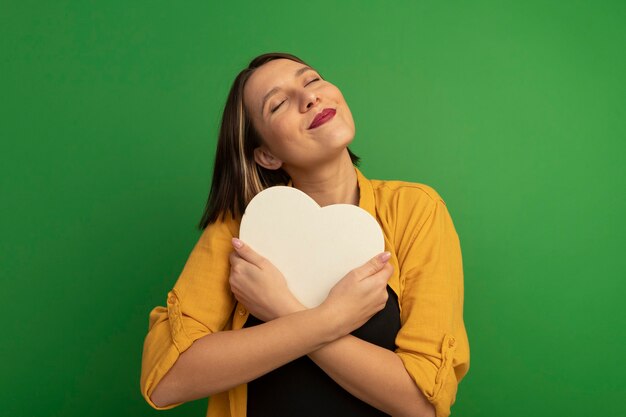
[366,193]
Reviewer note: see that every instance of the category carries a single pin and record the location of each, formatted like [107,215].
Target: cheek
[350,118]
[340,98]
[347,113]
[281,125]
[278,134]
[335,92]
[278,137]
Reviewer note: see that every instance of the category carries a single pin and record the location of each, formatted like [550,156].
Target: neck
[332,183]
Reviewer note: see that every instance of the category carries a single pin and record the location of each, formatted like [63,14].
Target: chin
[343,134]
[347,140]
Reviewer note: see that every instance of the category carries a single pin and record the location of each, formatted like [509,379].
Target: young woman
[388,340]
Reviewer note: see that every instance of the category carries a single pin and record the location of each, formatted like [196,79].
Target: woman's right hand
[360,294]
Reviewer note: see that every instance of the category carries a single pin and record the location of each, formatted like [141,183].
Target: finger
[233,257]
[384,274]
[374,265]
[380,279]
[247,253]
[237,261]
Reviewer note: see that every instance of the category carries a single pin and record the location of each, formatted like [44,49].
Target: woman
[389,338]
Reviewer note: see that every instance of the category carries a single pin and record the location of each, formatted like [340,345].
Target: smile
[322,117]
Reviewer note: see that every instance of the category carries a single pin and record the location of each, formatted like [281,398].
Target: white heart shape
[313,247]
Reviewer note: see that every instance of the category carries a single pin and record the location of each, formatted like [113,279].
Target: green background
[513,112]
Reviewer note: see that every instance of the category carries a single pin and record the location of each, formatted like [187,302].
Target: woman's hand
[360,294]
[262,288]
[259,285]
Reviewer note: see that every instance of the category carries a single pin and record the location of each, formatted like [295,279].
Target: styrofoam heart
[313,247]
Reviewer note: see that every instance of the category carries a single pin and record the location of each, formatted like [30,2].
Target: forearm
[374,375]
[222,360]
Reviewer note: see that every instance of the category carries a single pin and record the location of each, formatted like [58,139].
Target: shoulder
[396,188]
[224,228]
[405,200]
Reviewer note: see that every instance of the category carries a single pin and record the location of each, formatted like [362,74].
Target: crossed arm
[222,360]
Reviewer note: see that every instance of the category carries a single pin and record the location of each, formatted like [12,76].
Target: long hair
[237,178]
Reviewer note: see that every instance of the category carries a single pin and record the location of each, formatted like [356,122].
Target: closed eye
[280,104]
[276,108]
[312,81]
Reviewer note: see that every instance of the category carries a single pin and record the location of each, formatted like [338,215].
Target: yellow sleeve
[432,342]
[200,303]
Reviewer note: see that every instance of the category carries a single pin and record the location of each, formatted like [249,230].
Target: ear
[264,158]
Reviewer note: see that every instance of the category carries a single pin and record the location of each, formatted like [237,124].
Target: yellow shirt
[428,280]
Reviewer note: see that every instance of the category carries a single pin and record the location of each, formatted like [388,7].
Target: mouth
[322,117]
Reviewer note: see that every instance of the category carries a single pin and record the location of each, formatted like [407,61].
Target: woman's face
[282,98]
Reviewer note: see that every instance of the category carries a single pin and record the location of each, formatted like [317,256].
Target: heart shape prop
[313,247]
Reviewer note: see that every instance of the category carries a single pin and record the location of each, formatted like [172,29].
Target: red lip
[322,117]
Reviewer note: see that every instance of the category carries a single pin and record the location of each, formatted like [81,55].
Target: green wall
[513,112]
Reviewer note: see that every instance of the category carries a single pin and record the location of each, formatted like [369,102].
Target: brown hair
[237,178]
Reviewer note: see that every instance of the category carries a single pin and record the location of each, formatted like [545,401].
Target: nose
[309,100]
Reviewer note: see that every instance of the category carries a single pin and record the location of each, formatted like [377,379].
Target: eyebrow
[275,89]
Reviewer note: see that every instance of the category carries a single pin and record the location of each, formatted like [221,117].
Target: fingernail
[384,257]
[237,243]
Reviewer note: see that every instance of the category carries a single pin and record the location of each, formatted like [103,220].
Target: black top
[301,388]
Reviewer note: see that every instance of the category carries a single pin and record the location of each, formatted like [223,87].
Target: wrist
[332,322]
[294,306]
[289,307]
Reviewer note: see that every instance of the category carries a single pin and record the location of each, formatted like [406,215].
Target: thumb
[246,252]
[374,265]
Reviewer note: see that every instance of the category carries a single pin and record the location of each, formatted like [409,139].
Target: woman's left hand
[259,285]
